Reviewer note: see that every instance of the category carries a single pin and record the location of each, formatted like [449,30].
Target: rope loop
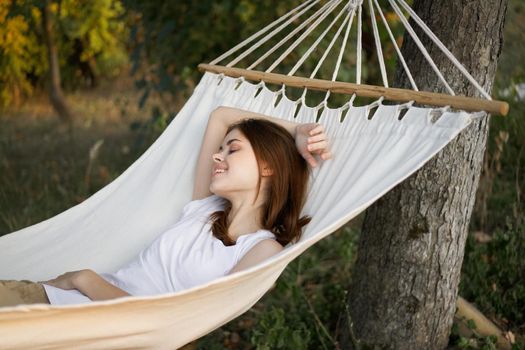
[378,102]
[320,105]
[445,109]
[303,97]
[220,77]
[352,99]
[405,105]
[261,83]
[282,90]
[241,79]
[328,92]
[304,92]
[349,103]
[478,115]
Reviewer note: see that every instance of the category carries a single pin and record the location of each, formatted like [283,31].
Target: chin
[215,190]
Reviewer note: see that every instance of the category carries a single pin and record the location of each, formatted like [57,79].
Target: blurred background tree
[90,37]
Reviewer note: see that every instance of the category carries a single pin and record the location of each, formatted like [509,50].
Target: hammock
[372,152]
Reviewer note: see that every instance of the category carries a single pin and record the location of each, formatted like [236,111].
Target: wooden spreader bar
[393,94]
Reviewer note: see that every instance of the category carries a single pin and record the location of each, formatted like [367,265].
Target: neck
[245,216]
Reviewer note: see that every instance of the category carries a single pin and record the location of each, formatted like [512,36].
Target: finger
[310,159]
[316,146]
[326,155]
[319,128]
[316,138]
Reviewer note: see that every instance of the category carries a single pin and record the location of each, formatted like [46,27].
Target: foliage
[510,66]
[476,342]
[501,188]
[93,36]
[494,274]
[502,184]
[172,38]
[19,53]
[275,331]
[90,38]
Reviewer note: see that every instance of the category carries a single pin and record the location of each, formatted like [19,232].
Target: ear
[267,171]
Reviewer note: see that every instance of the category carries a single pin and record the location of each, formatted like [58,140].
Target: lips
[218,173]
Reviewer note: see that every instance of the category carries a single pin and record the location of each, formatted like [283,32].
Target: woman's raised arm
[310,138]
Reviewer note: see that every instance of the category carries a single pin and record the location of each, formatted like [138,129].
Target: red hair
[273,145]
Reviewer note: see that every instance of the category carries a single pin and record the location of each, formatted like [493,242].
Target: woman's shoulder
[267,234]
[266,240]
[246,242]
[206,204]
[255,248]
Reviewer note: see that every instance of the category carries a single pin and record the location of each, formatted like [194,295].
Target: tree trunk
[55,91]
[405,282]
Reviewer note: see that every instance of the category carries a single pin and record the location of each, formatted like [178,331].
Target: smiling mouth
[219,173]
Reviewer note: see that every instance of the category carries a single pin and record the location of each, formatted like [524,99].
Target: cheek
[245,170]
[252,168]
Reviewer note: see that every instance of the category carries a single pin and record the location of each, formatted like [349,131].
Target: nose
[217,157]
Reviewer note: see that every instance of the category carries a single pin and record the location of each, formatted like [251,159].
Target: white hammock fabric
[370,156]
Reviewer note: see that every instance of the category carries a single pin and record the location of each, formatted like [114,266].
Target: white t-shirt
[184,256]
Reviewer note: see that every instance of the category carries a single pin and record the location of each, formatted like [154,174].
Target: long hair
[287,189]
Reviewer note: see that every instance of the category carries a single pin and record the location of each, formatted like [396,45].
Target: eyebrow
[229,142]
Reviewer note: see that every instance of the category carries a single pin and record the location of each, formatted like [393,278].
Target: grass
[46,169]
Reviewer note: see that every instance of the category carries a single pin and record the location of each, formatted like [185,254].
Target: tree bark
[55,91]
[405,281]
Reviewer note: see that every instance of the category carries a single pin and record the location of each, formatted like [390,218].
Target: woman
[250,186]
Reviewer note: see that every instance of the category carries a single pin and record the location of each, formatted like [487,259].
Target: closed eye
[231,151]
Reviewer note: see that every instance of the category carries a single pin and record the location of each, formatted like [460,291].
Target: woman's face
[237,158]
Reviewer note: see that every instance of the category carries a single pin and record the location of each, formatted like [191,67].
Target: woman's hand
[66,281]
[310,139]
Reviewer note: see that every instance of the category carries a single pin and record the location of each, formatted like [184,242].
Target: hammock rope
[379,50]
[303,36]
[349,18]
[314,20]
[421,47]
[262,31]
[277,30]
[359,46]
[317,41]
[396,47]
[280,43]
[444,49]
